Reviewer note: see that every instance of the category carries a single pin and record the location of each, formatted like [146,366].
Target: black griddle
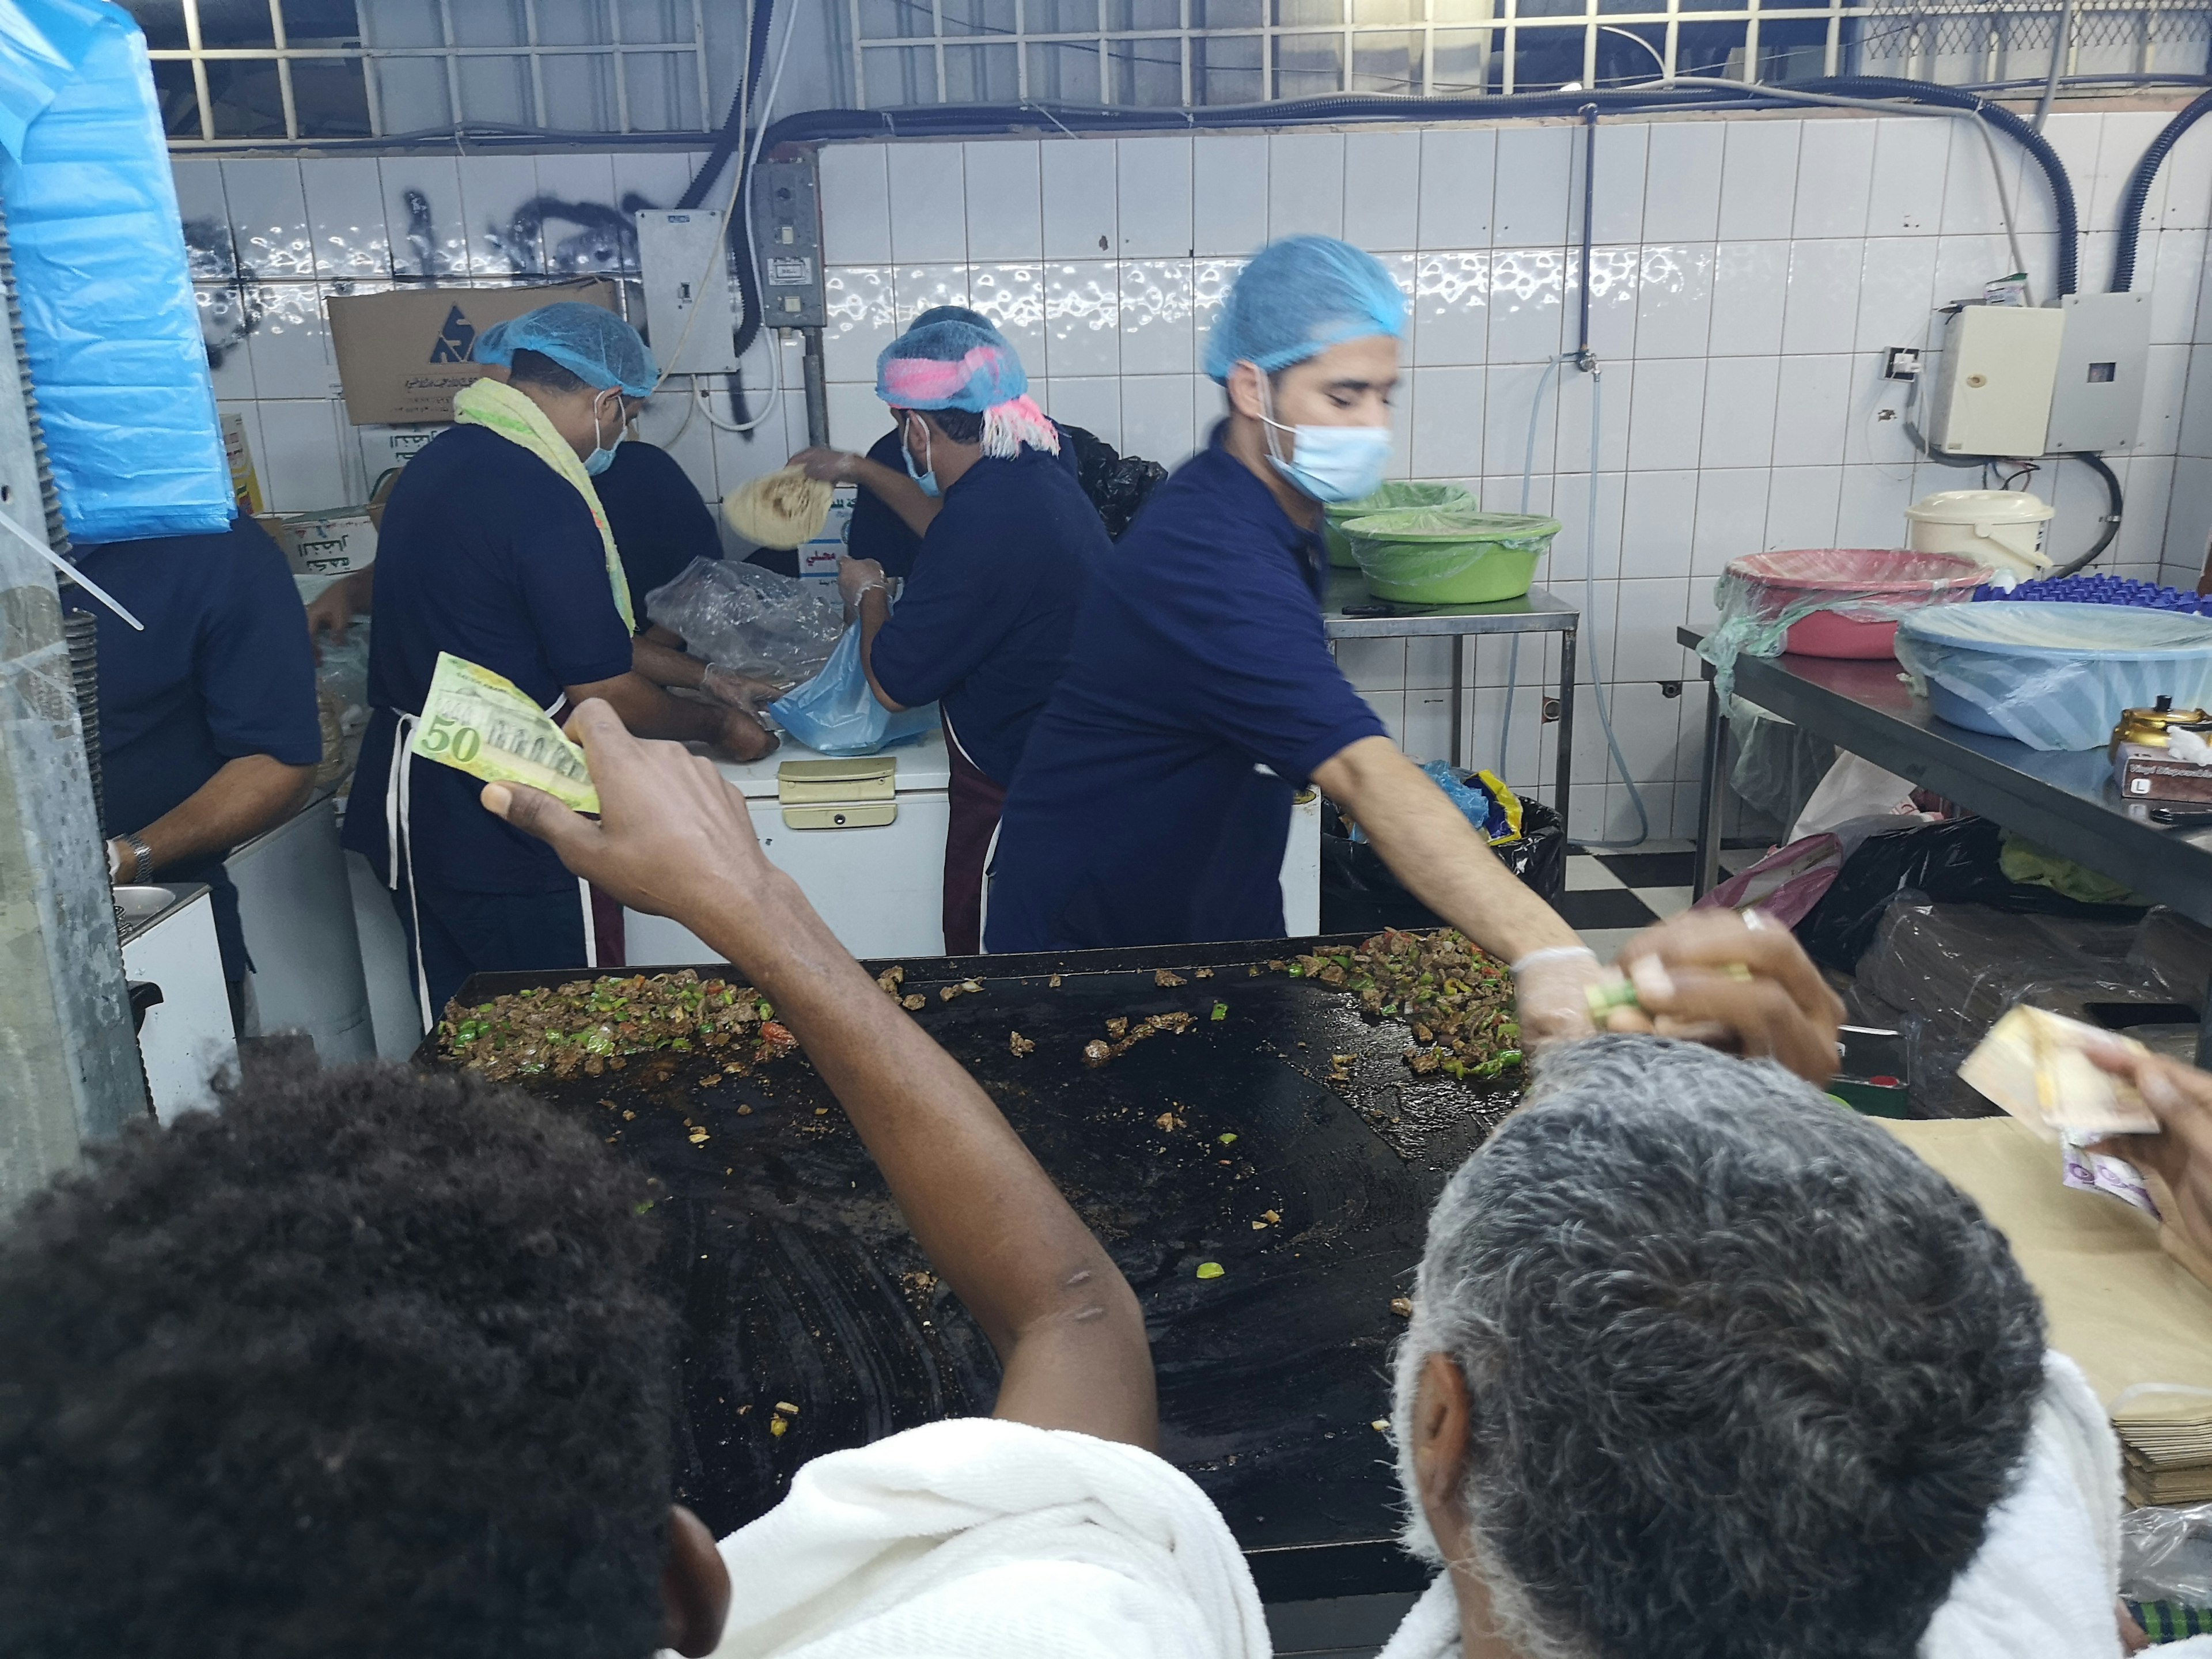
[798,1282]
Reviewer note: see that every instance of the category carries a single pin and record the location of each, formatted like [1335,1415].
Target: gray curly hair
[1746,1376]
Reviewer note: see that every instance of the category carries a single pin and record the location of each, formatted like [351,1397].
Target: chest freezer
[864,839]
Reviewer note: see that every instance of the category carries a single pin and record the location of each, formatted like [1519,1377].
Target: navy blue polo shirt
[878,533]
[488,553]
[1140,815]
[661,523]
[223,670]
[983,626]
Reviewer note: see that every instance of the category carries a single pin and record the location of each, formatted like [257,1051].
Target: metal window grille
[1186,53]
[243,71]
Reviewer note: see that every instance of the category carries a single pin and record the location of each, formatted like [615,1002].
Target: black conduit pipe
[980,120]
[2138,191]
[2113,507]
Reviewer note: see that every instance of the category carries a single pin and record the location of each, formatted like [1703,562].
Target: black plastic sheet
[797,1281]
[1955,862]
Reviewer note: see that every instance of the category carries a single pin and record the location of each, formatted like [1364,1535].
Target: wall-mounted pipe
[2138,191]
[983,120]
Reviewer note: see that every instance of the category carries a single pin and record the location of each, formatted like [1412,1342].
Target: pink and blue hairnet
[1297,299]
[949,363]
[590,342]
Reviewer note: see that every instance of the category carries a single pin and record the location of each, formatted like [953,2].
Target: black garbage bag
[1359,894]
[1117,484]
[1955,862]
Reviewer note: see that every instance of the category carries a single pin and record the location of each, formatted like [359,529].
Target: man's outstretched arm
[675,840]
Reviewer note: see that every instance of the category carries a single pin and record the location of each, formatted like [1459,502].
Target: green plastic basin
[1390,498]
[1449,555]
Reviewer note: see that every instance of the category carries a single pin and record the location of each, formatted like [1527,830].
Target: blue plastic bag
[1482,799]
[110,327]
[835,712]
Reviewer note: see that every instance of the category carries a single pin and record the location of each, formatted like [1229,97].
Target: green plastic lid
[1449,524]
[1392,496]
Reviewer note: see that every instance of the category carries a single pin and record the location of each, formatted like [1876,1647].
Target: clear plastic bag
[1777,765]
[2177,952]
[1943,974]
[837,713]
[751,620]
[2165,1555]
[2054,677]
[1765,595]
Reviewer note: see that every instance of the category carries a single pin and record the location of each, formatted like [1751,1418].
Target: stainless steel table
[2064,801]
[1349,613]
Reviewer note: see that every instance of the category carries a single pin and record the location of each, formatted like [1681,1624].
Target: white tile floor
[1611,897]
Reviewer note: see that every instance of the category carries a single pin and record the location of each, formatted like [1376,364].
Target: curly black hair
[366,1363]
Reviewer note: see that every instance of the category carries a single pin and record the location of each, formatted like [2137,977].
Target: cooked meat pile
[1457,998]
[588,1026]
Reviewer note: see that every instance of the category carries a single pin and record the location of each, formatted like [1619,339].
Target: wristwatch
[142,858]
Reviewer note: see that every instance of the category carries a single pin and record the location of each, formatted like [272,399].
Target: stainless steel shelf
[2064,801]
[1534,612]
[1348,613]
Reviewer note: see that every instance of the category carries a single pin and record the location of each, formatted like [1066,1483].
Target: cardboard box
[819,558]
[403,354]
[335,541]
[244,484]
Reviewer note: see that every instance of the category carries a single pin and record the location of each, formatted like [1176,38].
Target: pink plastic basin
[1889,577]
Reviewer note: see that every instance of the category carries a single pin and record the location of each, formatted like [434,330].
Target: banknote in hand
[480,723]
[2033,1065]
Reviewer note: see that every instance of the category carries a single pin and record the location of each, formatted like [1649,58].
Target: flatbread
[784,509]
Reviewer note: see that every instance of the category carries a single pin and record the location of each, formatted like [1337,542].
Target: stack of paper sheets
[2119,1301]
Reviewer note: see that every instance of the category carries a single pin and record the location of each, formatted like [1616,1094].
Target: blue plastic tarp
[110,326]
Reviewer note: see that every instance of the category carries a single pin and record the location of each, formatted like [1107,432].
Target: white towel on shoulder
[977,1539]
[2044,1582]
[2049,1572]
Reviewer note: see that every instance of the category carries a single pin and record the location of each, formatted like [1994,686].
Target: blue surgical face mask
[927,477]
[603,453]
[1329,463]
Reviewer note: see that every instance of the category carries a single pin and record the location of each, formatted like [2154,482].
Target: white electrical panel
[2104,359]
[1996,369]
[684,264]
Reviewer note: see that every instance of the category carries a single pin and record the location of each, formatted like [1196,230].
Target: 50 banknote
[482,724]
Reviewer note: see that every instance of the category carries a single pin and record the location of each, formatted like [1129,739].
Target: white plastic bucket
[2001,530]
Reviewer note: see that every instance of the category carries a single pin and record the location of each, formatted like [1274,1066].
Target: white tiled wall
[271,239]
[1749,273]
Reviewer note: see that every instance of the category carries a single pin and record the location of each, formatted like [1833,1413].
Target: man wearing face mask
[982,624]
[495,549]
[1154,798]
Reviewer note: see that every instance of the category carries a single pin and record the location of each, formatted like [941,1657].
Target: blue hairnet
[950,365]
[1297,298]
[953,314]
[590,342]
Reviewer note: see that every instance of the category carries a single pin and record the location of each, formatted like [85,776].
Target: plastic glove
[1552,989]
[735,691]
[856,576]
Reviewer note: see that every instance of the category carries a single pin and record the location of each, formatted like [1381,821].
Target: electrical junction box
[787,244]
[1994,373]
[2103,361]
[683,266]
